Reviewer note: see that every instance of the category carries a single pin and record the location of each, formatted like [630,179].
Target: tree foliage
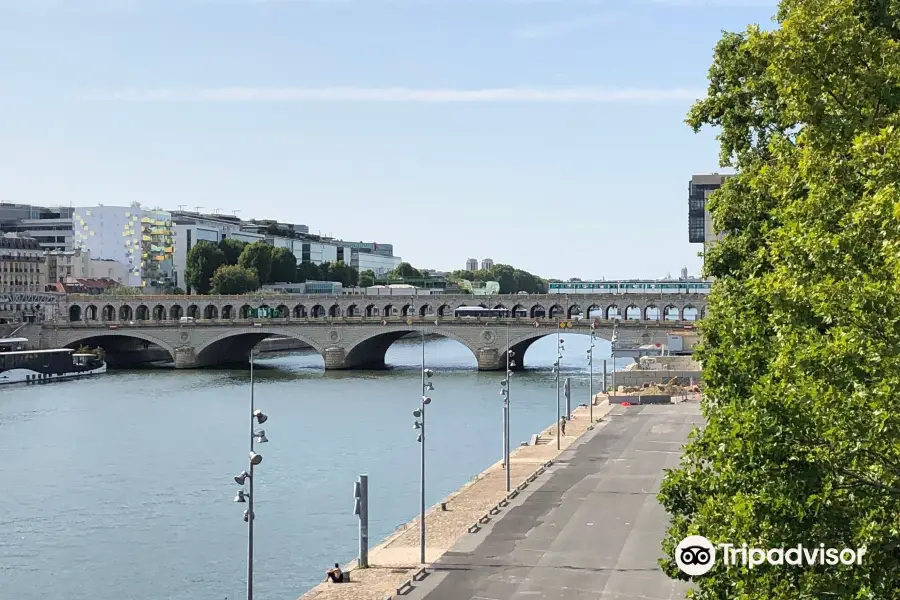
[801,343]
[201,263]
[511,280]
[367,278]
[257,256]
[338,271]
[234,279]
[232,249]
[284,266]
[406,271]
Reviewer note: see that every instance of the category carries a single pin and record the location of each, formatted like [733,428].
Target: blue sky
[544,134]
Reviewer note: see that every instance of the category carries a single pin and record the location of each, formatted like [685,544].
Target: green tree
[367,278]
[202,261]
[284,266]
[338,271]
[232,249]
[257,256]
[234,279]
[801,342]
[406,271]
[308,272]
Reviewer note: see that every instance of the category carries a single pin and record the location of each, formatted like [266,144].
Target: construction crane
[197,209]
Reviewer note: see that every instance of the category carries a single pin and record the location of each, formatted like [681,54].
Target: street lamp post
[246,477]
[556,368]
[419,413]
[504,391]
[590,353]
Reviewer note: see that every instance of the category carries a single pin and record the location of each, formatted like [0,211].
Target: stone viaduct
[354,332]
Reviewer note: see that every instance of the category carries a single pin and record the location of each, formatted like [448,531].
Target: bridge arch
[370,352]
[372,311]
[334,311]
[595,311]
[445,310]
[244,311]
[210,312]
[574,309]
[159,313]
[75,313]
[283,311]
[317,311]
[388,310]
[176,312]
[671,313]
[538,311]
[227,312]
[109,313]
[632,313]
[353,311]
[557,312]
[125,313]
[299,312]
[193,311]
[142,313]
[406,311]
[232,347]
[426,310]
[651,312]
[690,313]
[120,345]
[613,312]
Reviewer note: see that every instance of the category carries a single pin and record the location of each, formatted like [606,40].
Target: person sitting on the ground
[335,574]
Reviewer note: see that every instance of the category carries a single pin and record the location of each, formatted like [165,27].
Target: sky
[545,134]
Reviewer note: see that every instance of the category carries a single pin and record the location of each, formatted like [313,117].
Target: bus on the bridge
[480,311]
[630,287]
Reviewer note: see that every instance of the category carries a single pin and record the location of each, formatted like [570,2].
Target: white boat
[18,365]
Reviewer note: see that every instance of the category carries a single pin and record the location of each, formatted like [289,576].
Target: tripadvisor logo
[695,555]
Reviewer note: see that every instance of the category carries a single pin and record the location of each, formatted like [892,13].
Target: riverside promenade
[583,524]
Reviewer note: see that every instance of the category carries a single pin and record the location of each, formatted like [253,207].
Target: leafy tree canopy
[257,256]
[232,249]
[406,271]
[284,266]
[201,262]
[234,279]
[801,343]
[511,280]
[367,278]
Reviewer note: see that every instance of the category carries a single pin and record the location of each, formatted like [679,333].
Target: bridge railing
[61,321]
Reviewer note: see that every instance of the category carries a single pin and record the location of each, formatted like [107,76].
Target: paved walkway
[591,528]
[396,559]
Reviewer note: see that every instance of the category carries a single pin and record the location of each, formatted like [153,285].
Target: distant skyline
[543,134]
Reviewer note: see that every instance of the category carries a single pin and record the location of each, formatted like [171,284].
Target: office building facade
[51,227]
[700,228]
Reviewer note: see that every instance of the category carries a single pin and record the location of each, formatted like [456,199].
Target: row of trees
[511,280]
[801,342]
[235,267]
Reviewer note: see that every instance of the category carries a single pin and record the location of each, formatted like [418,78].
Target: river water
[120,487]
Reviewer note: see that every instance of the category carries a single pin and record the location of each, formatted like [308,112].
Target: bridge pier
[335,358]
[185,358]
[489,359]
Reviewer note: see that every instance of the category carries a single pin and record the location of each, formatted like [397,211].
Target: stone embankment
[394,562]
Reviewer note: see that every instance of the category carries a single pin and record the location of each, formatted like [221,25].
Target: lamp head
[428,373]
[255,458]
[247,516]
[429,386]
[417,413]
[419,438]
[241,479]
[241,496]
[261,417]
[504,382]
[426,400]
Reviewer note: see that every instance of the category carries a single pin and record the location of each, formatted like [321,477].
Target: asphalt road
[589,528]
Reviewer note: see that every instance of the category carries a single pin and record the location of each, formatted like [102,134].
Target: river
[120,487]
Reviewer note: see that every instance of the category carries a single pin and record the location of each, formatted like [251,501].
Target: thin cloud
[564,27]
[404,95]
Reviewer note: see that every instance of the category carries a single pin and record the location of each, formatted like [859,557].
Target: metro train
[630,287]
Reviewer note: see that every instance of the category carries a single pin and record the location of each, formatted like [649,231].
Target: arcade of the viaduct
[354,332]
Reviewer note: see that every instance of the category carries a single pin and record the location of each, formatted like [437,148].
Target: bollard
[361,508]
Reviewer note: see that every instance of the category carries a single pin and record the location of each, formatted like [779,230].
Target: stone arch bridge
[353,332]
